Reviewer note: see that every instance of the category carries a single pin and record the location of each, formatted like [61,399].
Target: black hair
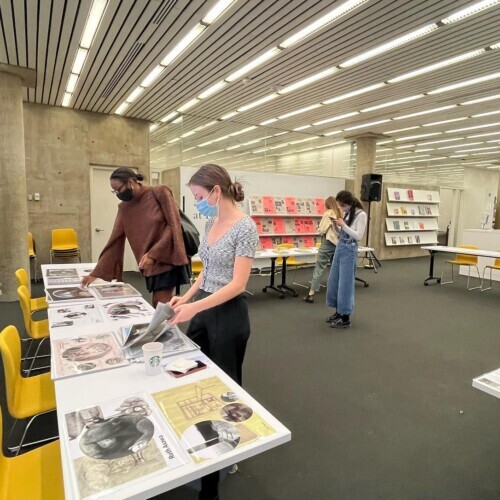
[126,174]
[347,198]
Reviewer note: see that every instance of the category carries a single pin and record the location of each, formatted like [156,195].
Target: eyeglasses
[119,190]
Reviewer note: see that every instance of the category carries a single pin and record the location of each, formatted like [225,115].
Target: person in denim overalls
[340,290]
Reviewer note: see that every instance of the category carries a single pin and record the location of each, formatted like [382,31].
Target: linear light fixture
[298,112]
[438,65]
[256,103]
[183,44]
[482,99]
[486,114]
[169,116]
[401,130]
[308,80]
[213,89]
[268,122]
[188,105]
[440,141]
[253,64]
[389,45]
[392,103]
[482,135]
[432,124]
[229,115]
[303,127]
[428,111]
[469,11]
[465,83]
[378,122]
[216,11]
[335,118]
[411,137]
[473,128]
[459,146]
[92,23]
[322,22]
[354,93]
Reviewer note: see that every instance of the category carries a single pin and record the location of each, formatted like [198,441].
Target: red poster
[266,243]
[258,223]
[287,239]
[308,241]
[299,225]
[279,225]
[309,225]
[320,205]
[268,202]
[291,206]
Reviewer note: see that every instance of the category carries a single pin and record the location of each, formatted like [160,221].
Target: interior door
[103,209]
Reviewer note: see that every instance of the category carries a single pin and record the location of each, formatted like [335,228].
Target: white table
[434,249]
[87,390]
[487,239]
[489,383]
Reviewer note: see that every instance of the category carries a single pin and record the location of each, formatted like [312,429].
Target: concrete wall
[172,179]
[61,145]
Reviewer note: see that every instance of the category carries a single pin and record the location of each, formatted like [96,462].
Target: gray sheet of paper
[163,312]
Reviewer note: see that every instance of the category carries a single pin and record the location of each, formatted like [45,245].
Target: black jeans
[222,333]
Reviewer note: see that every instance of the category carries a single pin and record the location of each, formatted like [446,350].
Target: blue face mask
[205,208]
[346,209]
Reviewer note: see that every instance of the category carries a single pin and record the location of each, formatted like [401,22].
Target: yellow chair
[64,244]
[36,304]
[291,261]
[32,255]
[463,260]
[36,475]
[496,266]
[27,397]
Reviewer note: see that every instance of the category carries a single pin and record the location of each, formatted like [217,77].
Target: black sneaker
[340,323]
[309,299]
[333,317]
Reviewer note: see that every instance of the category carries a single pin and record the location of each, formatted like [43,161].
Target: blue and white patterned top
[218,259]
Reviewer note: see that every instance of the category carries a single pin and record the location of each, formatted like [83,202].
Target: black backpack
[190,234]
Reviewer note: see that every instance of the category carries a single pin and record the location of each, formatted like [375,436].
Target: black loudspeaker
[371,187]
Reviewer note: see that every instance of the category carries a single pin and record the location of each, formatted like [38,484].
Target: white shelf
[409,195]
[408,238]
[399,209]
[405,224]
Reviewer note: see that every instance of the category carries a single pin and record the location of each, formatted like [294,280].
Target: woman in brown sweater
[148,218]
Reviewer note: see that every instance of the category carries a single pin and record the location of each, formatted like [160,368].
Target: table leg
[284,287]
[271,285]
[431,276]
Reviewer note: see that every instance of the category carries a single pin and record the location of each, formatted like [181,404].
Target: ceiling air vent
[163,11]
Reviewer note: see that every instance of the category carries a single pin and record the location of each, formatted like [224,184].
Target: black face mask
[125,195]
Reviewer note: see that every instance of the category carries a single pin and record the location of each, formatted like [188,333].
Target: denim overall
[340,290]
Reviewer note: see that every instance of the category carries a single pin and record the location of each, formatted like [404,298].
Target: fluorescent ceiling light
[229,115]
[188,105]
[460,145]
[354,93]
[432,124]
[465,83]
[177,120]
[202,127]
[423,150]
[153,127]
[401,130]
[307,81]
[367,124]
[267,122]
[256,103]
[333,132]
[439,65]
[223,138]
[253,64]
[242,131]
[212,90]
[93,21]
[185,42]
[335,118]
[217,10]
[305,140]
[322,22]
[440,141]
[392,103]
[153,75]
[121,109]
[135,94]
[482,99]
[187,134]
[169,116]
[486,114]
[469,11]
[81,55]
[280,133]
[420,113]
[473,128]
[236,146]
[389,45]
[70,87]
[301,128]
[66,99]
[411,137]
[174,140]
[299,111]
[482,135]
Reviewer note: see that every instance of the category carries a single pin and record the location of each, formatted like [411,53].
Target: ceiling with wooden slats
[134,36]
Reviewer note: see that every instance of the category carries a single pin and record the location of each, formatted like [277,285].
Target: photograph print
[74,315]
[127,309]
[69,294]
[115,291]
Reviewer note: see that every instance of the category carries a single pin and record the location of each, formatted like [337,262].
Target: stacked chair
[32,255]
[36,304]
[64,245]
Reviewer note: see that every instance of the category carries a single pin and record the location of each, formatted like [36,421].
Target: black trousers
[222,333]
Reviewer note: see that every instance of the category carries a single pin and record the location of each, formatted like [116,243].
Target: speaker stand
[370,256]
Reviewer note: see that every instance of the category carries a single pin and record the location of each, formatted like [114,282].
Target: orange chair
[496,266]
[463,260]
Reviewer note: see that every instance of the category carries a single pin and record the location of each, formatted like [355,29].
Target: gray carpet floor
[384,410]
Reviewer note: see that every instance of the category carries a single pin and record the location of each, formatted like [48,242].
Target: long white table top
[465,251]
[87,390]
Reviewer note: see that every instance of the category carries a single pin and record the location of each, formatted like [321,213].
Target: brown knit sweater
[152,225]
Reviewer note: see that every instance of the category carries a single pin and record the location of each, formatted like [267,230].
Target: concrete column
[366,150]
[497,215]
[13,202]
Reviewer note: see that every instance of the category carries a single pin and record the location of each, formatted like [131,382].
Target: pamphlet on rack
[86,354]
[210,418]
[116,442]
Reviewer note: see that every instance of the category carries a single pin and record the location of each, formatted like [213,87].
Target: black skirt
[177,276]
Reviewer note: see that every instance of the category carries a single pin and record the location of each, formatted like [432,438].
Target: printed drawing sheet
[86,354]
[74,315]
[127,309]
[210,419]
[116,442]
